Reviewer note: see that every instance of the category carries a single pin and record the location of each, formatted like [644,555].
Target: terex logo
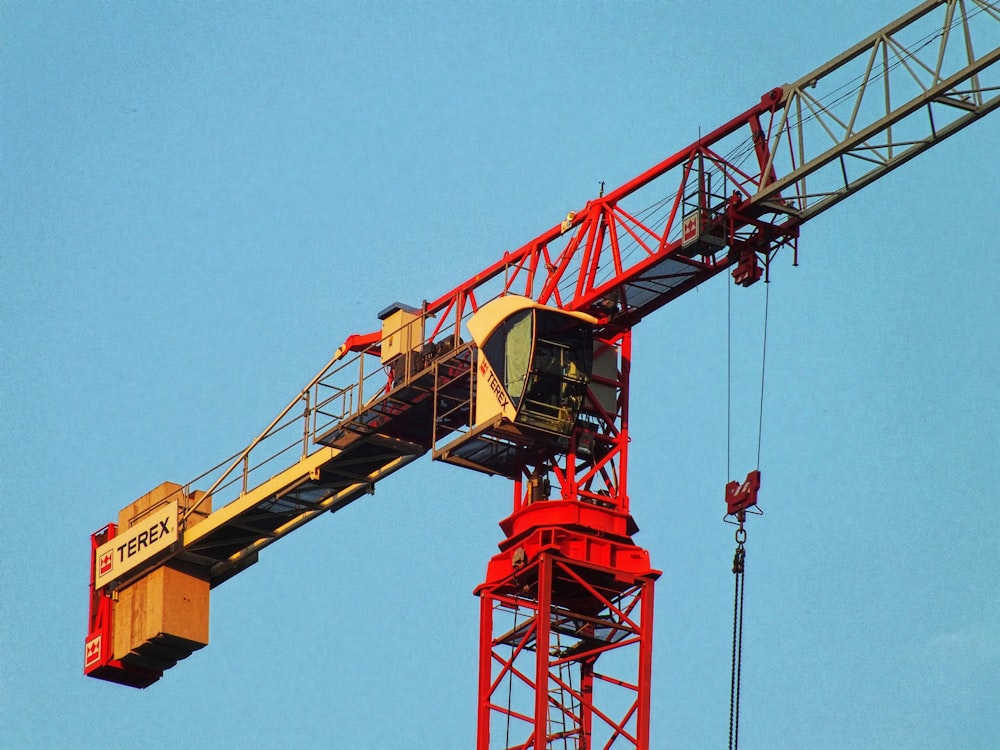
[690,228]
[152,535]
[495,385]
[107,563]
[136,544]
[92,654]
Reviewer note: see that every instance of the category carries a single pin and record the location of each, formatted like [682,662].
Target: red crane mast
[540,394]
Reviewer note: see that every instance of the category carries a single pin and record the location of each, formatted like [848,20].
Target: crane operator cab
[534,364]
[532,372]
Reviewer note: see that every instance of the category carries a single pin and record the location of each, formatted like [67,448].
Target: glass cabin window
[518,355]
[508,350]
[559,373]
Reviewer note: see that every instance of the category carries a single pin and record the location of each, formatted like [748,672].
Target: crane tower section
[566,608]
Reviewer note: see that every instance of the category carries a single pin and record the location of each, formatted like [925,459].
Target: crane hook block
[740,497]
[748,270]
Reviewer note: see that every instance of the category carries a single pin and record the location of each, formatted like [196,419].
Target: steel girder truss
[752,182]
[890,97]
[565,655]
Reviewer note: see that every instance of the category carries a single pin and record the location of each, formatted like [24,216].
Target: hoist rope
[737,662]
[729,380]
[763,369]
[729,376]
[739,557]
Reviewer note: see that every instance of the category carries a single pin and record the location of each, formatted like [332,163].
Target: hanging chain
[739,558]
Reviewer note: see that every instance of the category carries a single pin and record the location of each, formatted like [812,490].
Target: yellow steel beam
[250,499]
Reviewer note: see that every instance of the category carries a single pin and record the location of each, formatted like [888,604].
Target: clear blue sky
[200,201]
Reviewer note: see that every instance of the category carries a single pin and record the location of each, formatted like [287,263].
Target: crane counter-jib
[545,401]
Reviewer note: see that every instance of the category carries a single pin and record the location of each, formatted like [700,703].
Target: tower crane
[522,371]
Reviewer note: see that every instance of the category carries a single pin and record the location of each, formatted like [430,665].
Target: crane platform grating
[326,480]
[385,434]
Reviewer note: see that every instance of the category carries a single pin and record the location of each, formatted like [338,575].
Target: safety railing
[342,391]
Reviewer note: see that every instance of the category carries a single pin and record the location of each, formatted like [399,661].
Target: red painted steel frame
[612,263]
[569,590]
[97,661]
[566,644]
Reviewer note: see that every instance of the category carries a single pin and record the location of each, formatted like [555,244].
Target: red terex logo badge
[689,230]
[93,652]
[107,563]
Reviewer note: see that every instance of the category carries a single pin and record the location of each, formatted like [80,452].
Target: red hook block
[739,497]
